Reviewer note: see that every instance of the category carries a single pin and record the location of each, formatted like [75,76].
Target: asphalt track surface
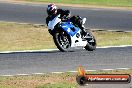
[107,19]
[56,61]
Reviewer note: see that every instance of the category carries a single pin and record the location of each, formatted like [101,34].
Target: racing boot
[84,33]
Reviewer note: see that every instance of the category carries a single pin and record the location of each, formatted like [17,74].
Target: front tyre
[91,41]
[62,40]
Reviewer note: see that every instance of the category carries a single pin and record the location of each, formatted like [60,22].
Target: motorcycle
[67,36]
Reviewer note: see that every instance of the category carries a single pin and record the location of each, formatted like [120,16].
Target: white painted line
[73,71]
[20,22]
[7,75]
[44,50]
[120,46]
[57,72]
[38,73]
[22,74]
[65,72]
[122,68]
[44,24]
[109,30]
[107,69]
[24,51]
[91,70]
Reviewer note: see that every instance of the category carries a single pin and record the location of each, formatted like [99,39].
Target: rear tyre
[62,40]
[91,41]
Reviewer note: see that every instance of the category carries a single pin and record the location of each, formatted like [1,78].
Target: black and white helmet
[52,9]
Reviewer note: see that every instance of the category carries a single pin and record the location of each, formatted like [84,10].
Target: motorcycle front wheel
[62,40]
[91,41]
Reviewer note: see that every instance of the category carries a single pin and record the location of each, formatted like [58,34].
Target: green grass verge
[14,36]
[64,80]
[120,3]
[58,85]
[105,38]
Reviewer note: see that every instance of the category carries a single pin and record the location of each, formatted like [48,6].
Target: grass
[64,80]
[39,81]
[14,36]
[117,3]
[58,85]
[105,38]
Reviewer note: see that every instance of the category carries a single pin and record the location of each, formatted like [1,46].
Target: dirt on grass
[34,81]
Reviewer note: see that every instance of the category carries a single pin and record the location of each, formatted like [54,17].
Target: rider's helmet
[52,9]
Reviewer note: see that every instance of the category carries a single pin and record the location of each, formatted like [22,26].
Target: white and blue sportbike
[66,35]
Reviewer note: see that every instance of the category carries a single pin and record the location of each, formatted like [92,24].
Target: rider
[53,11]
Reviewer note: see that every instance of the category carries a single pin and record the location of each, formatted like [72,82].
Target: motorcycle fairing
[77,41]
[73,31]
[69,28]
